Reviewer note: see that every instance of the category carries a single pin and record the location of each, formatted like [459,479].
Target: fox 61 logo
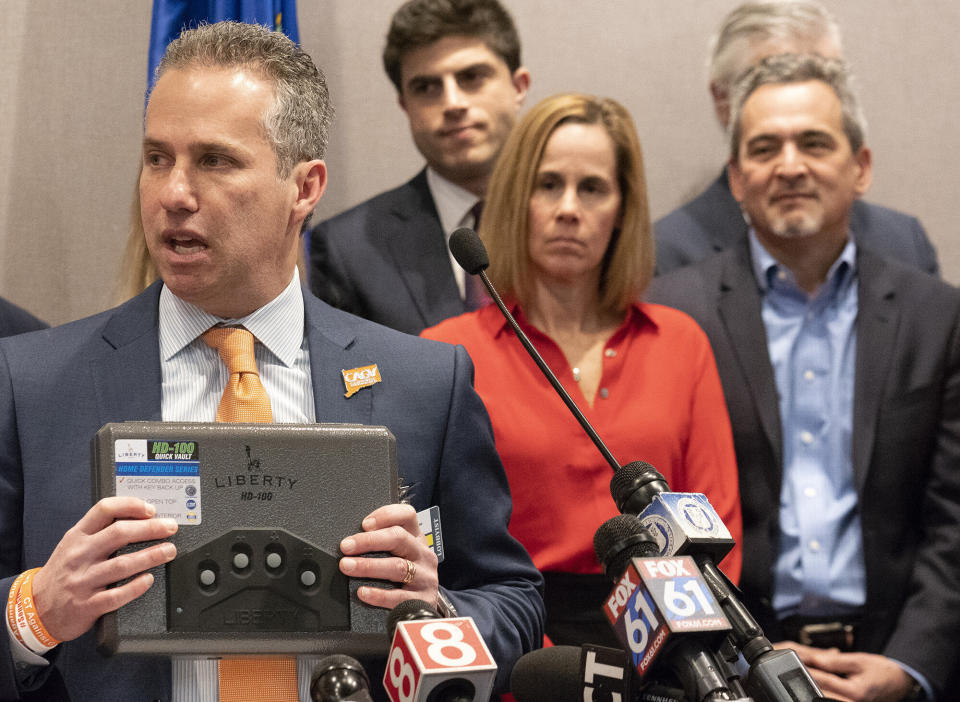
[658,597]
[433,646]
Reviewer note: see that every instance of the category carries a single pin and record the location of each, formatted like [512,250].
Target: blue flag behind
[171,16]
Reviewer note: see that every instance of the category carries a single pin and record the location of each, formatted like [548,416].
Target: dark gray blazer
[59,386]
[906,444]
[712,222]
[386,260]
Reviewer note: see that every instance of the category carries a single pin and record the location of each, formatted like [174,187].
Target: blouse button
[610,353]
[604,393]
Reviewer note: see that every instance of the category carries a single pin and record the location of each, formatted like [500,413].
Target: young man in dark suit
[456,67]
[841,372]
[234,136]
[713,221]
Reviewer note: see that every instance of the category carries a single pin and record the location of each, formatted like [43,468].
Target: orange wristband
[12,600]
[31,617]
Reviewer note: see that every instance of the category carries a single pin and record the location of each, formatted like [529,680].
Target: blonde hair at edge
[628,263]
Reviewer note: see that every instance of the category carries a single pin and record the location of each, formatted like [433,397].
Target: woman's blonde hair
[137,271]
[629,260]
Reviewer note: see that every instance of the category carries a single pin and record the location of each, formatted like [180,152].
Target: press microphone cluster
[435,659]
[686,524]
[662,611]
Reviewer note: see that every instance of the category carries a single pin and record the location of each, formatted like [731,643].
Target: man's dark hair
[419,23]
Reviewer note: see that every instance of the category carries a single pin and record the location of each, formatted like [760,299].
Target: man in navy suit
[16,320]
[234,134]
[841,372]
[456,68]
[713,221]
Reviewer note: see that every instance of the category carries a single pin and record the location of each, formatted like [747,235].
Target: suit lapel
[125,361]
[419,249]
[740,311]
[877,318]
[332,341]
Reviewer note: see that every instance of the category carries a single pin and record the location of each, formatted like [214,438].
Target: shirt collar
[453,202]
[278,325]
[766,269]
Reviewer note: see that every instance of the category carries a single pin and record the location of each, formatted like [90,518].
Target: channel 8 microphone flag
[170,17]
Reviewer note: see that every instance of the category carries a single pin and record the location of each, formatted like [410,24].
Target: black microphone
[436,659]
[572,674]
[471,254]
[340,678]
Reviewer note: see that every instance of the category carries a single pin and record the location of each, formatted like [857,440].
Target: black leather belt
[821,632]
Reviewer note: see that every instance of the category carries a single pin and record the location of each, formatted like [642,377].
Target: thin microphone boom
[470,253]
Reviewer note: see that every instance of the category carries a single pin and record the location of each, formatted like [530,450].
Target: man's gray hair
[298,126]
[800,25]
[796,68]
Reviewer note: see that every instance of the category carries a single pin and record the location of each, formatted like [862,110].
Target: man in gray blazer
[234,135]
[456,67]
[841,372]
[713,221]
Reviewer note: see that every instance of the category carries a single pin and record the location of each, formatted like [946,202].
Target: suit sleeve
[670,240]
[928,626]
[486,573]
[11,536]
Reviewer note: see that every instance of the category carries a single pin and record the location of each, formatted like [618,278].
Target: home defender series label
[164,473]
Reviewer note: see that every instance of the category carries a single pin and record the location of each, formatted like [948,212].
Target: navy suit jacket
[16,320]
[59,386]
[386,260]
[905,452]
[713,222]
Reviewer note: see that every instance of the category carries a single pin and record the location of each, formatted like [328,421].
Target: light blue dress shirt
[812,341]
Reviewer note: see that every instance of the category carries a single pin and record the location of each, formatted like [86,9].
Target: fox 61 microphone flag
[429,653]
[656,599]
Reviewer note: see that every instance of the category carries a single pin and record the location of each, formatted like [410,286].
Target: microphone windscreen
[548,674]
[618,540]
[409,610]
[634,485]
[468,250]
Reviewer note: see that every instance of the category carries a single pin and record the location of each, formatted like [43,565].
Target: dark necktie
[475,293]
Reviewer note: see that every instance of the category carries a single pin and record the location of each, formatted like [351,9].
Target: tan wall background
[72,77]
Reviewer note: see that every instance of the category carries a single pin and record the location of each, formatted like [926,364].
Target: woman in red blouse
[567,228]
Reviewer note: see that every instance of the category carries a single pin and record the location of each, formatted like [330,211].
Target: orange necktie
[245,400]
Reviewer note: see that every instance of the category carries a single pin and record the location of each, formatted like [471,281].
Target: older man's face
[795,174]
[221,226]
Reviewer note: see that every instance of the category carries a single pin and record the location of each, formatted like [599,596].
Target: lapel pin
[356,379]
